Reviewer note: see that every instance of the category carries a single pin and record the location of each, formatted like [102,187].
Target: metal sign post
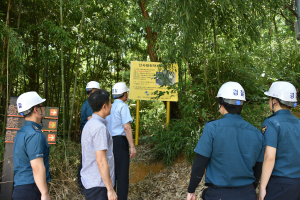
[137,122]
[168,114]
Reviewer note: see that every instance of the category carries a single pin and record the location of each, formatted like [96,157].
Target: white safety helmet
[119,89]
[284,91]
[91,85]
[28,100]
[232,93]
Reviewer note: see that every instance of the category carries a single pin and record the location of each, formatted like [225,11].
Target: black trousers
[26,192]
[122,161]
[230,193]
[81,187]
[280,188]
[96,193]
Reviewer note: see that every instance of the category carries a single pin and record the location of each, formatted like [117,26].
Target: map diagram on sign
[165,78]
[147,77]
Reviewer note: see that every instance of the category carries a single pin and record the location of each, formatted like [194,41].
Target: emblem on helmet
[235,92]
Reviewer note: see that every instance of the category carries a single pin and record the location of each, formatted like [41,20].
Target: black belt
[214,186]
[119,136]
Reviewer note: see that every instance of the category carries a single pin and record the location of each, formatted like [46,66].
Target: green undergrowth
[64,157]
[182,135]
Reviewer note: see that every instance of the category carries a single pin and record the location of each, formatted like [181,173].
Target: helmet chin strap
[220,105]
[272,105]
[42,117]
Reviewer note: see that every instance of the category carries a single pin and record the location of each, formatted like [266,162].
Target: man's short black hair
[97,99]
[232,109]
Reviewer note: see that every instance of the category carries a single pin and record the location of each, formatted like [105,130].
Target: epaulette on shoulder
[35,128]
[210,121]
[270,116]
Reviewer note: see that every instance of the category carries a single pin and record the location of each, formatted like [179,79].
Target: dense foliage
[53,52]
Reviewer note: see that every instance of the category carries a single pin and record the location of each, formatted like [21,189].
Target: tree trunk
[4,46]
[2,69]
[78,63]
[118,68]
[7,87]
[151,35]
[47,60]
[62,75]
[18,26]
[216,52]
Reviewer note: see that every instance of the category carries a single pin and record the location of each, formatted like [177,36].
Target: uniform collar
[228,115]
[31,123]
[118,101]
[282,111]
[100,118]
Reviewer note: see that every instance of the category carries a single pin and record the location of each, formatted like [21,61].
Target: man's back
[119,116]
[233,146]
[29,144]
[282,131]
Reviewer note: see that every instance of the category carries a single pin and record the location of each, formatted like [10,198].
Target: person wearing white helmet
[86,114]
[231,150]
[31,151]
[86,110]
[280,177]
[119,126]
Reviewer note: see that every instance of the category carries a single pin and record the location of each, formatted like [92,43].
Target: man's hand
[111,195]
[45,197]
[128,133]
[261,193]
[132,152]
[89,118]
[39,175]
[191,196]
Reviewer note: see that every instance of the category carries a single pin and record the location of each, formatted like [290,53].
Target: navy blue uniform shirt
[233,146]
[282,131]
[86,111]
[30,143]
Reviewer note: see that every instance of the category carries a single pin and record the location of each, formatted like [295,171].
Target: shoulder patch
[35,128]
[270,116]
[210,121]
[263,129]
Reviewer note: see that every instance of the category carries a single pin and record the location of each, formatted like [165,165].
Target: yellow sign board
[148,77]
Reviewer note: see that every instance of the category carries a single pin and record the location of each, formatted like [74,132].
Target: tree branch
[294,12]
[285,17]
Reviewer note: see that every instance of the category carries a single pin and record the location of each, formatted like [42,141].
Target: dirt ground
[149,180]
[159,183]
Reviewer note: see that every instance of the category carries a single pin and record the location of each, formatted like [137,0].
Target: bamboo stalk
[216,51]
[62,75]
[75,83]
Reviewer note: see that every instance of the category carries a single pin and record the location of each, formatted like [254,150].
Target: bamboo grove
[55,47]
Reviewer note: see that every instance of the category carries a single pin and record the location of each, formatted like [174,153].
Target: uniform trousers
[95,193]
[229,193]
[122,161]
[280,188]
[80,185]
[26,192]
